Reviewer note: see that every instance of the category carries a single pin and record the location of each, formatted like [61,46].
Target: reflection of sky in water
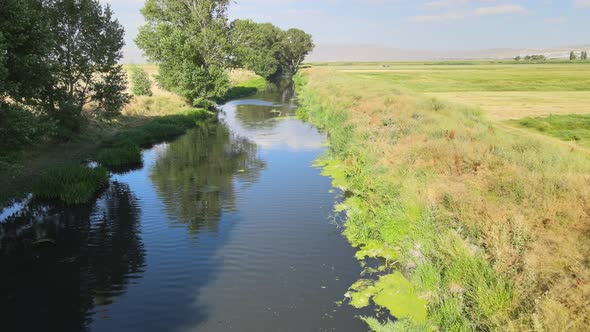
[290,133]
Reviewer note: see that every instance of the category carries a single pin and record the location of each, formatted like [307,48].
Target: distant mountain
[370,52]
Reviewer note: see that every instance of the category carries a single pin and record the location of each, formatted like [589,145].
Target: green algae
[393,292]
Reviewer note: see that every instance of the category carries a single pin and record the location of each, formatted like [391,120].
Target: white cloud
[500,10]
[582,3]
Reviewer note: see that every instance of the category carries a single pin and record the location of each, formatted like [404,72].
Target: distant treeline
[539,57]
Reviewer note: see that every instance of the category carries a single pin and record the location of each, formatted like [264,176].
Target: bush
[20,128]
[125,154]
[71,184]
[141,83]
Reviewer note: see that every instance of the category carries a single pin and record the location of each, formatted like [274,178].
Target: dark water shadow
[58,265]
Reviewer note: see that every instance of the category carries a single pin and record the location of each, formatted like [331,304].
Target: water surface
[225,228]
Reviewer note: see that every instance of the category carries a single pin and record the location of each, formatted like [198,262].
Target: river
[228,227]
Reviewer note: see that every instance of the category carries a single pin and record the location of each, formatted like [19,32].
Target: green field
[504,90]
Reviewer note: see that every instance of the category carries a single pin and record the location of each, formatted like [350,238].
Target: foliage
[256,46]
[88,43]
[518,58]
[295,45]
[573,55]
[24,44]
[189,41]
[141,85]
[58,56]
[584,55]
[566,127]
[267,50]
[20,128]
[71,184]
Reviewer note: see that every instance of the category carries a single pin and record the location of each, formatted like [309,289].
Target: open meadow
[486,217]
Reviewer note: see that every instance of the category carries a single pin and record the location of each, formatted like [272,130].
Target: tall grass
[71,184]
[489,226]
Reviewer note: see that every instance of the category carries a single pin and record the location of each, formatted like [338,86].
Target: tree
[25,41]
[584,55]
[141,83]
[84,59]
[573,56]
[517,58]
[256,47]
[295,46]
[189,39]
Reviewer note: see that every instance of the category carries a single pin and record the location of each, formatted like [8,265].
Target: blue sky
[427,24]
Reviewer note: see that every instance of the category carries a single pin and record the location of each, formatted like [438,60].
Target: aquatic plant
[71,184]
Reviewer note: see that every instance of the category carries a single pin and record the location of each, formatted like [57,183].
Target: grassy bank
[479,227]
[116,144]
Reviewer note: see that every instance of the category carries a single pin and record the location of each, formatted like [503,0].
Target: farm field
[505,91]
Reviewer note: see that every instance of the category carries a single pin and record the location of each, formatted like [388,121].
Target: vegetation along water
[225,186]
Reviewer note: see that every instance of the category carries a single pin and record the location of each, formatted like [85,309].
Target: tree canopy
[190,42]
[56,57]
[267,50]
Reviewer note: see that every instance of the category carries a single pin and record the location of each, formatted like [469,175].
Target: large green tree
[267,50]
[257,47]
[189,40]
[88,46]
[295,45]
[24,45]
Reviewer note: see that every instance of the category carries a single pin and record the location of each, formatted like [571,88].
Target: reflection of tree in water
[58,264]
[259,116]
[194,176]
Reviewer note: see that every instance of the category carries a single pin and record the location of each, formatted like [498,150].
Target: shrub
[141,83]
[71,184]
[19,128]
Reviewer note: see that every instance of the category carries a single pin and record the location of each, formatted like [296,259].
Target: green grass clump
[574,127]
[126,153]
[161,129]
[71,184]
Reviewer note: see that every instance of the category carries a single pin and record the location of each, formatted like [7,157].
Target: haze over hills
[371,52]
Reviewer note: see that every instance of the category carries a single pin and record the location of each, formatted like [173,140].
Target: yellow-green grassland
[471,181]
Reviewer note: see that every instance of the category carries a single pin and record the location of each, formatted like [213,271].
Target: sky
[409,24]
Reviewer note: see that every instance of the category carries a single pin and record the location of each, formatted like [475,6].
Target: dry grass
[522,200]
[515,105]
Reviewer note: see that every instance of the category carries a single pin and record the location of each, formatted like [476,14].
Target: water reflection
[271,125]
[194,176]
[58,265]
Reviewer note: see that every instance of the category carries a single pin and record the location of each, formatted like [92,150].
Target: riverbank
[479,227]
[144,121]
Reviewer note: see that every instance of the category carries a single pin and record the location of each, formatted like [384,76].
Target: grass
[505,90]
[123,154]
[575,127]
[488,225]
[71,184]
